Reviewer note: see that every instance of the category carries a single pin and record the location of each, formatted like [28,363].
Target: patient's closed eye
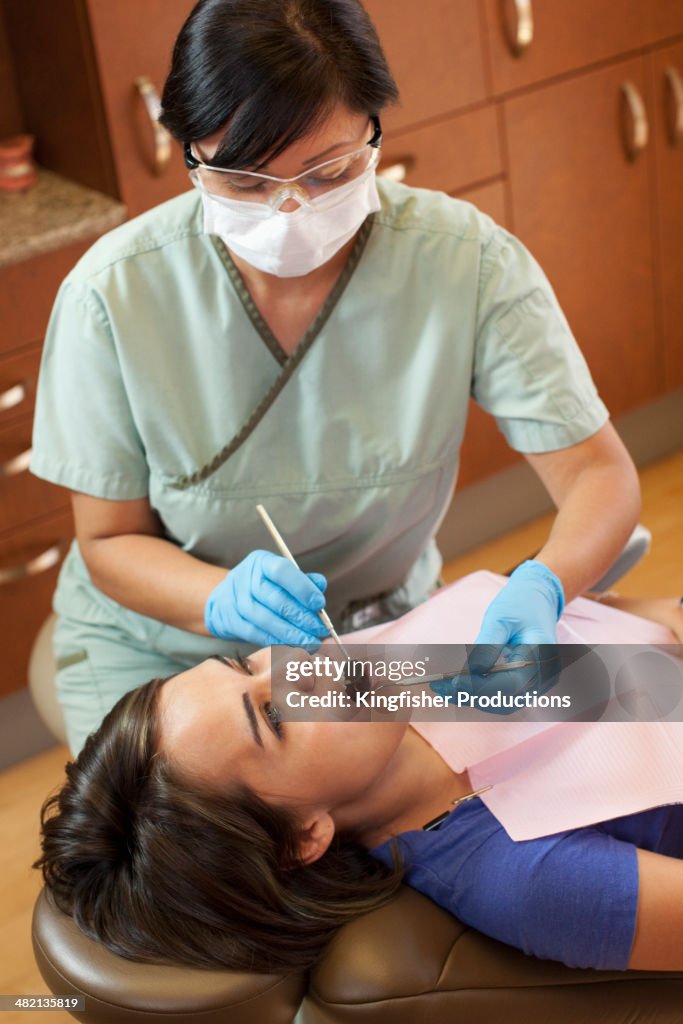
[239,664]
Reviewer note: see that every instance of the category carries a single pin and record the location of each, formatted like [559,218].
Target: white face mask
[292,244]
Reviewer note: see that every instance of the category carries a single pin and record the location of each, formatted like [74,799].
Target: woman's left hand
[524,612]
[522,616]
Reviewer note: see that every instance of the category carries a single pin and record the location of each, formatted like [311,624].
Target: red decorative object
[17,169]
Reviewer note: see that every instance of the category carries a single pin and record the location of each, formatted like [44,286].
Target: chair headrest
[119,991]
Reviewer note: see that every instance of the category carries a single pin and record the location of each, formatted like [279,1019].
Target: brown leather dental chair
[407,963]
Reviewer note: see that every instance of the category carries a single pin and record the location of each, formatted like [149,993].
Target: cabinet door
[435,51]
[29,562]
[484,449]
[456,152]
[564,36]
[134,39]
[582,207]
[666,18]
[666,68]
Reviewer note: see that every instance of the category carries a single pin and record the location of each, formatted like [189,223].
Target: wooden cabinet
[133,40]
[552,144]
[22,495]
[484,449]
[435,51]
[57,89]
[94,127]
[665,19]
[29,562]
[35,518]
[534,40]
[18,379]
[27,294]
[489,198]
[10,115]
[665,68]
[449,155]
[583,209]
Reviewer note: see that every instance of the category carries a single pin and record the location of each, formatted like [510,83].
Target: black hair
[271,71]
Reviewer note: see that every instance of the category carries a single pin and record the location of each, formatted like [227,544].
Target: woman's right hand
[266,600]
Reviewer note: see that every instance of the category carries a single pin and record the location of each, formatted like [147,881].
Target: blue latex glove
[266,600]
[525,614]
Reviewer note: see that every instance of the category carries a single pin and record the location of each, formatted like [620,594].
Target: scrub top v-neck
[156,382]
[316,324]
[288,362]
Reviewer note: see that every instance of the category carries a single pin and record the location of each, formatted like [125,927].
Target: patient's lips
[357,679]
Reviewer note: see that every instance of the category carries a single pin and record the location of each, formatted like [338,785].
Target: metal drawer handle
[520,29]
[675,105]
[14,395]
[635,126]
[17,464]
[41,563]
[399,170]
[162,138]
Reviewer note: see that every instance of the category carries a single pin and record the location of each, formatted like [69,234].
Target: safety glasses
[250,186]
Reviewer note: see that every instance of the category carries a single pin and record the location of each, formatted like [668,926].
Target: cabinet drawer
[565,36]
[435,52]
[450,155]
[29,563]
[27,293]
[23,497]
[18,379]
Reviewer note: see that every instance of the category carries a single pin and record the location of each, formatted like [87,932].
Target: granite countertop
[51,214]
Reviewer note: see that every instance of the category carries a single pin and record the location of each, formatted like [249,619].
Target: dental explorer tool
[284,550]
[442,677]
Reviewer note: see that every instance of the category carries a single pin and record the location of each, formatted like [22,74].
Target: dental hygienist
[296,331]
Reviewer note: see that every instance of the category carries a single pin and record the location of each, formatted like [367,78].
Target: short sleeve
[84,434]
[528,369]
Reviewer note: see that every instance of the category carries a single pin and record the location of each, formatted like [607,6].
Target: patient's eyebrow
[251,715]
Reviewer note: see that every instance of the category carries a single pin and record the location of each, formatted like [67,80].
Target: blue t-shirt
[571,896]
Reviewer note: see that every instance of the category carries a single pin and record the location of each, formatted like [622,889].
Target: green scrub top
[159,378]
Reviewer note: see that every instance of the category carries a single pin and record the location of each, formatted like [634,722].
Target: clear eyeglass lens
[255,187]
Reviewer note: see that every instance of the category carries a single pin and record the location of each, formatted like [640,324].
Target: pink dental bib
[547,777]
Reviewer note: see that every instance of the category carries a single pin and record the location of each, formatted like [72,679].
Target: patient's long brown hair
[161,870]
